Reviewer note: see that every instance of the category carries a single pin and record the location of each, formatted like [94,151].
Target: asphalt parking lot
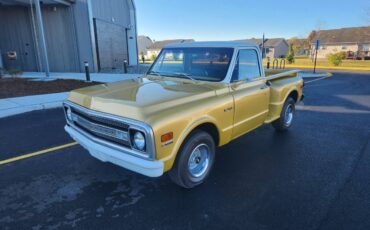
[316,176]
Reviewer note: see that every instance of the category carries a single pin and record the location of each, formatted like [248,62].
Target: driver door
[250,92]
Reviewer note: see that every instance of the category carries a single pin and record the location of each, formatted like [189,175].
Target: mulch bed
[17,87]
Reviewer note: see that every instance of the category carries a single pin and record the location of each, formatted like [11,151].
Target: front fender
[170,159]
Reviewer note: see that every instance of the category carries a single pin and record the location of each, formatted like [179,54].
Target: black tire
[281,124]
[180,173]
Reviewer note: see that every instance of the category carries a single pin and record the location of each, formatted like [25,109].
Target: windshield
[205,64]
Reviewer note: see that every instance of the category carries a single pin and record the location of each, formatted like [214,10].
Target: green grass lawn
[324,62]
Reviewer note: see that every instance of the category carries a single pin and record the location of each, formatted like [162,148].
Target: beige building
[354,41]
[274,47]
[143,43]
[156,47]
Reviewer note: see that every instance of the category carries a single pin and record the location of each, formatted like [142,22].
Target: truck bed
[282,84]
[272,74]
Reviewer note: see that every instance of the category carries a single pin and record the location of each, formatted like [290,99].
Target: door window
[247,66]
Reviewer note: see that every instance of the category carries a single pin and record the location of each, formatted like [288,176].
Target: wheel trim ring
[289,113]
[198,161]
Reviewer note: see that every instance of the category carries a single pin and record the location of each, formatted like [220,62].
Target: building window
[366,47]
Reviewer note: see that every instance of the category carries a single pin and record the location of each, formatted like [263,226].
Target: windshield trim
[225,79]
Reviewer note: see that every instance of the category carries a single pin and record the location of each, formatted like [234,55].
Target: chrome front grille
[101,127]
[101,120]
[110,130]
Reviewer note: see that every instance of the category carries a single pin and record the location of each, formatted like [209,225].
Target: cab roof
[220,44]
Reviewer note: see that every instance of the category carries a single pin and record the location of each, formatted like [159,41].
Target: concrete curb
[329,67]
[304,74]
[18,105]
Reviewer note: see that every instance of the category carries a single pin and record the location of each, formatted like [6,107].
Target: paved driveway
[316,176]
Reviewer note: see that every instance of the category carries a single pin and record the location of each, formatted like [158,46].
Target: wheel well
[294,95]
[211,129]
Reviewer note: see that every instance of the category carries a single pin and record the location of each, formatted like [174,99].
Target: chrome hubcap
[289,113]
[199,160]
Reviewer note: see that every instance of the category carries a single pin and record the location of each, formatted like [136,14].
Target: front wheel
[286,116]
[194,161]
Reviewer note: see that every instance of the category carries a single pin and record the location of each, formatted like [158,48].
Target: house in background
[156,47]
[274,47]
[60,35]
[354,41]
[301,46]
[143,43]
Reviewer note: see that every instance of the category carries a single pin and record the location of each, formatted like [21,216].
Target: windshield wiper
[185,75]
[154,73]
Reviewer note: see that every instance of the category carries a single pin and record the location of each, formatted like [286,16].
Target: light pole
[263,46]
[316,48]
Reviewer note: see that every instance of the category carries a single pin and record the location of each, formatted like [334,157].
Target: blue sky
[236,19]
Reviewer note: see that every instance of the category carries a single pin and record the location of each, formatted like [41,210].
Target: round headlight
[69,113]
[139,141]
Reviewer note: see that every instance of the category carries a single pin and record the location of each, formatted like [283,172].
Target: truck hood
[139,98]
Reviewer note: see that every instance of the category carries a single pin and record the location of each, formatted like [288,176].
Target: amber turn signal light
[167,137]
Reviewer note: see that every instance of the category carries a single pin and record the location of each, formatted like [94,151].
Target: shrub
[142,56]
[153,57]
[290,55]
[342,54]
[14,72]
[335,59]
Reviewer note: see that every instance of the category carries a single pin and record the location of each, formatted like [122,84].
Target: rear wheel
[194,161]
[286,116]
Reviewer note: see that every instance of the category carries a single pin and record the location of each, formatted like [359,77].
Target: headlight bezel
[134,145]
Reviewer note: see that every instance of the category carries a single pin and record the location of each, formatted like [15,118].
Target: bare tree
[311,36]
[320,24]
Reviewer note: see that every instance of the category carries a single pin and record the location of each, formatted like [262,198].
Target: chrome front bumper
[147,167]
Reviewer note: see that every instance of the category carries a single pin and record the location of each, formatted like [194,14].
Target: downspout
[42,37]
[137,49]
[36,42]
[92,36]
[132,27]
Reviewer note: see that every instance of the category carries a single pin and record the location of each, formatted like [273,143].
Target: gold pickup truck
[196,96]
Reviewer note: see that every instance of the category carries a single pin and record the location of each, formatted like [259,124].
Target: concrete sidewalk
[18,105]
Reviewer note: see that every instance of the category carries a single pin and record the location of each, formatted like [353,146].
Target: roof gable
[269,42]
[344,35]
[143,38]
